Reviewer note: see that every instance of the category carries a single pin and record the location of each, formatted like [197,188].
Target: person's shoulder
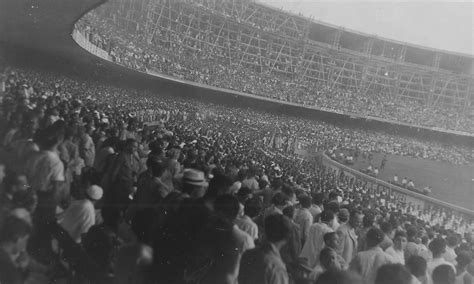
[344,228]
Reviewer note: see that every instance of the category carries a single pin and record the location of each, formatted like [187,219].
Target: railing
[408,196]
[83,42]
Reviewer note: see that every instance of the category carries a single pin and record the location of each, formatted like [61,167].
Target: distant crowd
[195,57]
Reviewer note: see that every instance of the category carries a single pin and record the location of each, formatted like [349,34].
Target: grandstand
[209,141]
[378,78]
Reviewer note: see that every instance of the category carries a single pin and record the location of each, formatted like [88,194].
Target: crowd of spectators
[91,194]
[177,54]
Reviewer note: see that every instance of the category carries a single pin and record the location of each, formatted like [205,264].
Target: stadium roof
[365,34]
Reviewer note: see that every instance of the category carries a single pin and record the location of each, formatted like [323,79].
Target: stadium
[201,141]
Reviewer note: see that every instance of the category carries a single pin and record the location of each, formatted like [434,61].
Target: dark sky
[445,25]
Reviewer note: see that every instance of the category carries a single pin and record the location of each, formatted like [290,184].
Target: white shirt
[397,255]
[450,255]
[78,218]
[246,224]
[315,242]
[304,219]
[44,168]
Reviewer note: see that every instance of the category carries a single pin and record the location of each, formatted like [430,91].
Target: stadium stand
[104,183]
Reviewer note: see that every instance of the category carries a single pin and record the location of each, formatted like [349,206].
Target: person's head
[400,240]
[50,137]
[26,199]
[305,201]
[289,211]
[331,240]
[444,274]
[244,194]
[99,245]
[14,235]
[131,146]
[220,184]
[14,182]
[387,229]
[280,200]
[94,193]
[328,259]
[416,265]
[393,274]
[327,216]
[356,218]
[253,207]
[277,228]
[340,277]
[194,183]
[452,241]
[157,166]
[412,233]
[437,247]
[368,220]
[227,206]
[374,237]
[318,198]
[463,259]
[343,215]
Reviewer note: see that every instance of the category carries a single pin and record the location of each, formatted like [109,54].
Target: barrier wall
[410,197]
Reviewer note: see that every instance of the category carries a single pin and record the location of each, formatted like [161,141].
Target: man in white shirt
[303,217]
[315,242]
[397,250]
[450,254]
[45,172]
[80,215]
[395,179]
[438,248]
[367,262]
[244,221]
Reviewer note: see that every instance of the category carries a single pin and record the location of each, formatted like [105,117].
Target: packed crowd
[90,194]
[172,53]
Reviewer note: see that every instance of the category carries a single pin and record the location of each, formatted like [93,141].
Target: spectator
[412,248]
[315,241]
[327,261]
[367,224]
[450,254]
[290,251]
[252,209]
[417,267]
[437,248]
[194,183]
[80,216]
[304,218]
[264,264]
[463,259]
[393,274]
[331,240]
[342,277]
[444,274]
[14,236]
[388,231]
[347,233]
[397,250]
[367,263]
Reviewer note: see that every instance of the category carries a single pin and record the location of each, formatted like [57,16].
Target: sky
[447,25]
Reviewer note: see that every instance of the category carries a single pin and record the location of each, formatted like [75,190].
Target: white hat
[194,177]
[95,192]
